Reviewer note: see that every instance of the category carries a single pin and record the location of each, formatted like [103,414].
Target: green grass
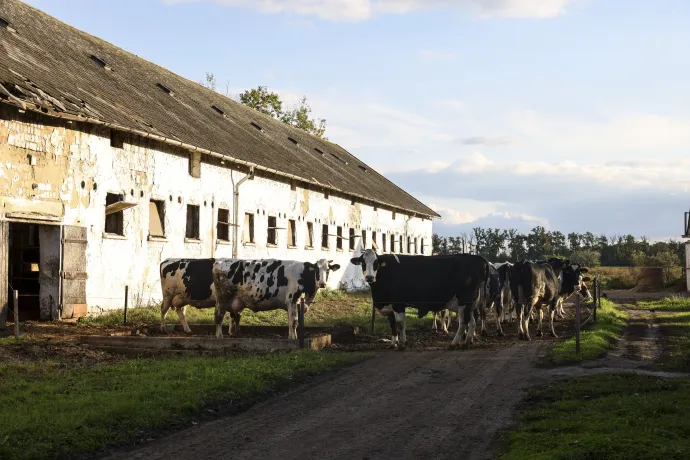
[50,410]
[595,340]
[671,303]
[675,332]
[612,417]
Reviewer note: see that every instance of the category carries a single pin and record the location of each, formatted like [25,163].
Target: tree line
[592,250]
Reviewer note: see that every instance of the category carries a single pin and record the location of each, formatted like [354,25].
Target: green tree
[299,117]
[586,257]
[261,99]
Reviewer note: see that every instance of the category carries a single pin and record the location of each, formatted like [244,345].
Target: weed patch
[595,340]
[613,417]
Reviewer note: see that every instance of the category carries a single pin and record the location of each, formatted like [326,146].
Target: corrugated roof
[63,71]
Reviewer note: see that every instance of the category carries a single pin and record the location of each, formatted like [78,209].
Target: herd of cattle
[468,285]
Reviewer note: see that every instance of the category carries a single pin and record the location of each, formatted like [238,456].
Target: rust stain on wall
[304,204]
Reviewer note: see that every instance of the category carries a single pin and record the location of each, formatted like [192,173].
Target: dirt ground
[425,402]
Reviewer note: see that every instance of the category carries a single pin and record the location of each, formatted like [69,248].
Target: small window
[352,239]
[116,140]
[157,218]
[218,109]
[392,241]
[293,140]
[416,250]
[223,225]
[310,235]
[338,158]
[400,245]
[192,231]
[272,235]
[319,151]
[114,222]
[5,24]
[374,244]
[248,233]
[256,125]
[165,88]
[364,239]
[409,245]
[393,215]
[363,168]
[422,245]
[324,236]
[339,240]
[383,242]
[100,62]
[292,237]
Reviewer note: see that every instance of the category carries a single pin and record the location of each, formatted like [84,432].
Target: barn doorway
[34,269]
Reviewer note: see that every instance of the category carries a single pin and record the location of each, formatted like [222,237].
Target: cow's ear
[330,261]
[586,278]
[584,270]
[566,262]
[382,264]
[334,267]
[356,260]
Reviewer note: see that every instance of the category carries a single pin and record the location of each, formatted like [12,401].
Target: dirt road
[432,404]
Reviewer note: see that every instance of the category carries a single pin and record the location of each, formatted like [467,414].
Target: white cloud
[360,10]
[438,55]
[452,216]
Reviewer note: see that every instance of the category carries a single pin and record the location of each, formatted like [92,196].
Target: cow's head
[323,269]
[370,264]
[572,279]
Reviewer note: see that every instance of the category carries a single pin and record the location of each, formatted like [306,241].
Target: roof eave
[25,105]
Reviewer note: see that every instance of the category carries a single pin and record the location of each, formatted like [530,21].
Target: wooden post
[126,302]
[373,318]
[596,298]
[577,325]
[16,314]
[300,322]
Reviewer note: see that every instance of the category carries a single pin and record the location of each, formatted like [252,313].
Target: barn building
[110,163]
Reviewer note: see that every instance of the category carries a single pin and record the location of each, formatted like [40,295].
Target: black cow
[428,283]
[536,284]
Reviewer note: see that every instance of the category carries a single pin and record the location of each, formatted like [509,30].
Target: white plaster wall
[142,173]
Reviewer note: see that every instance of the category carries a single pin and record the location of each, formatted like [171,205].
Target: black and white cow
[190,282]
[263,285]
[506,298]
[428,283]
[536,284]
[557,264]
[492,299]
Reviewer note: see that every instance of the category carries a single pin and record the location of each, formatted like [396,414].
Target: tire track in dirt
[433,404]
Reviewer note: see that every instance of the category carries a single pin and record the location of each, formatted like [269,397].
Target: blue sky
[573,114]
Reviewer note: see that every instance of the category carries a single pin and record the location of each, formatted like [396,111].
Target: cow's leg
[461,328]
[295,319]
[219,314]
[433,326]
[552,310]
[445,320]
[529,314]
[482,315]
[499,316]
[400,320]
[471,328]
[165,306]
[394,329]
[540,312]
[183,318]
[234,323]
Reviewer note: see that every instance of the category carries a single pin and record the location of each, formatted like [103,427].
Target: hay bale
[649,279]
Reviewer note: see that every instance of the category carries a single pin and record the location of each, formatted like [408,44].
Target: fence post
[16,314]
[373,318]
[126,302]
[577,325]
[300,322]
[596,294]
